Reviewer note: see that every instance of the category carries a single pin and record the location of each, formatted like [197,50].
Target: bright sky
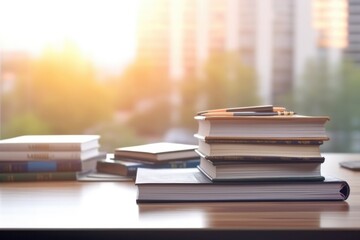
[103,29]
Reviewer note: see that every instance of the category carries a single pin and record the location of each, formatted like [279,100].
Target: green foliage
[316,94]
[143,91]
[225,82]
[347,104]
[191,93]
[228,82]
[62,90]
[115,134]
[153,121]
[141,81]
[332,91]
[24,124]
[66,94]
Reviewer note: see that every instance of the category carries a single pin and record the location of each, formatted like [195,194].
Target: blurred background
[137,71]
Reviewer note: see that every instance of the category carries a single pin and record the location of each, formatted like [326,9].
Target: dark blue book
[188,185]
[39,166]
[128,167]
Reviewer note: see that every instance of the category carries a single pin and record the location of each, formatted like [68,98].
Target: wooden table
[110,208]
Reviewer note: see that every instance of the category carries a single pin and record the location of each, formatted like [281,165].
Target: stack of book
[253,153]
[126,160]
[48,157]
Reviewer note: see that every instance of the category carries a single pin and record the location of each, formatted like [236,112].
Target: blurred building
[276,37]
[353,49]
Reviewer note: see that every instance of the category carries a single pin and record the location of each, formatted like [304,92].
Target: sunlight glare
[104,30]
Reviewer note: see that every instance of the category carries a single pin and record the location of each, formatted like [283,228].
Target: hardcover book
[258,141]
[263,158]
[50,143]
[278,149]
[261,171]
[296,127]
[155,152]
[189,184]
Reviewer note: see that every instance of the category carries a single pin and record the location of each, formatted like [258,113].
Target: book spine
[38,147]
[267,142]
[40,166]
[39,156]
[264,159]
[29,177]
[9,167]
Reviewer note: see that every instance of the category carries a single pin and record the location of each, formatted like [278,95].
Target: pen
[262,108]
[232,114]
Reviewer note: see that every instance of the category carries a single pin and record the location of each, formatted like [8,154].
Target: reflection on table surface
[113,205]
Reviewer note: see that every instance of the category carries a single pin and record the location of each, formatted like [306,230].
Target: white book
[217,149]
[296,127]
[157,152]
[49,155]
[50,143]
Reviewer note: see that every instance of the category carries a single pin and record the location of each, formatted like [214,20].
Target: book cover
[296,127]
[129,168]
[189,184]
[48,155]
[160,151]
[50,143]
[51,165]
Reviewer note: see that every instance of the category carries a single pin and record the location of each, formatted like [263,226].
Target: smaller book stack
[48,157]
[126,160]
[264,144]
[253,153]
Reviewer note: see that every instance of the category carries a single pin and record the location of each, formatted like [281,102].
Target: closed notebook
[179,185]
[153,152]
